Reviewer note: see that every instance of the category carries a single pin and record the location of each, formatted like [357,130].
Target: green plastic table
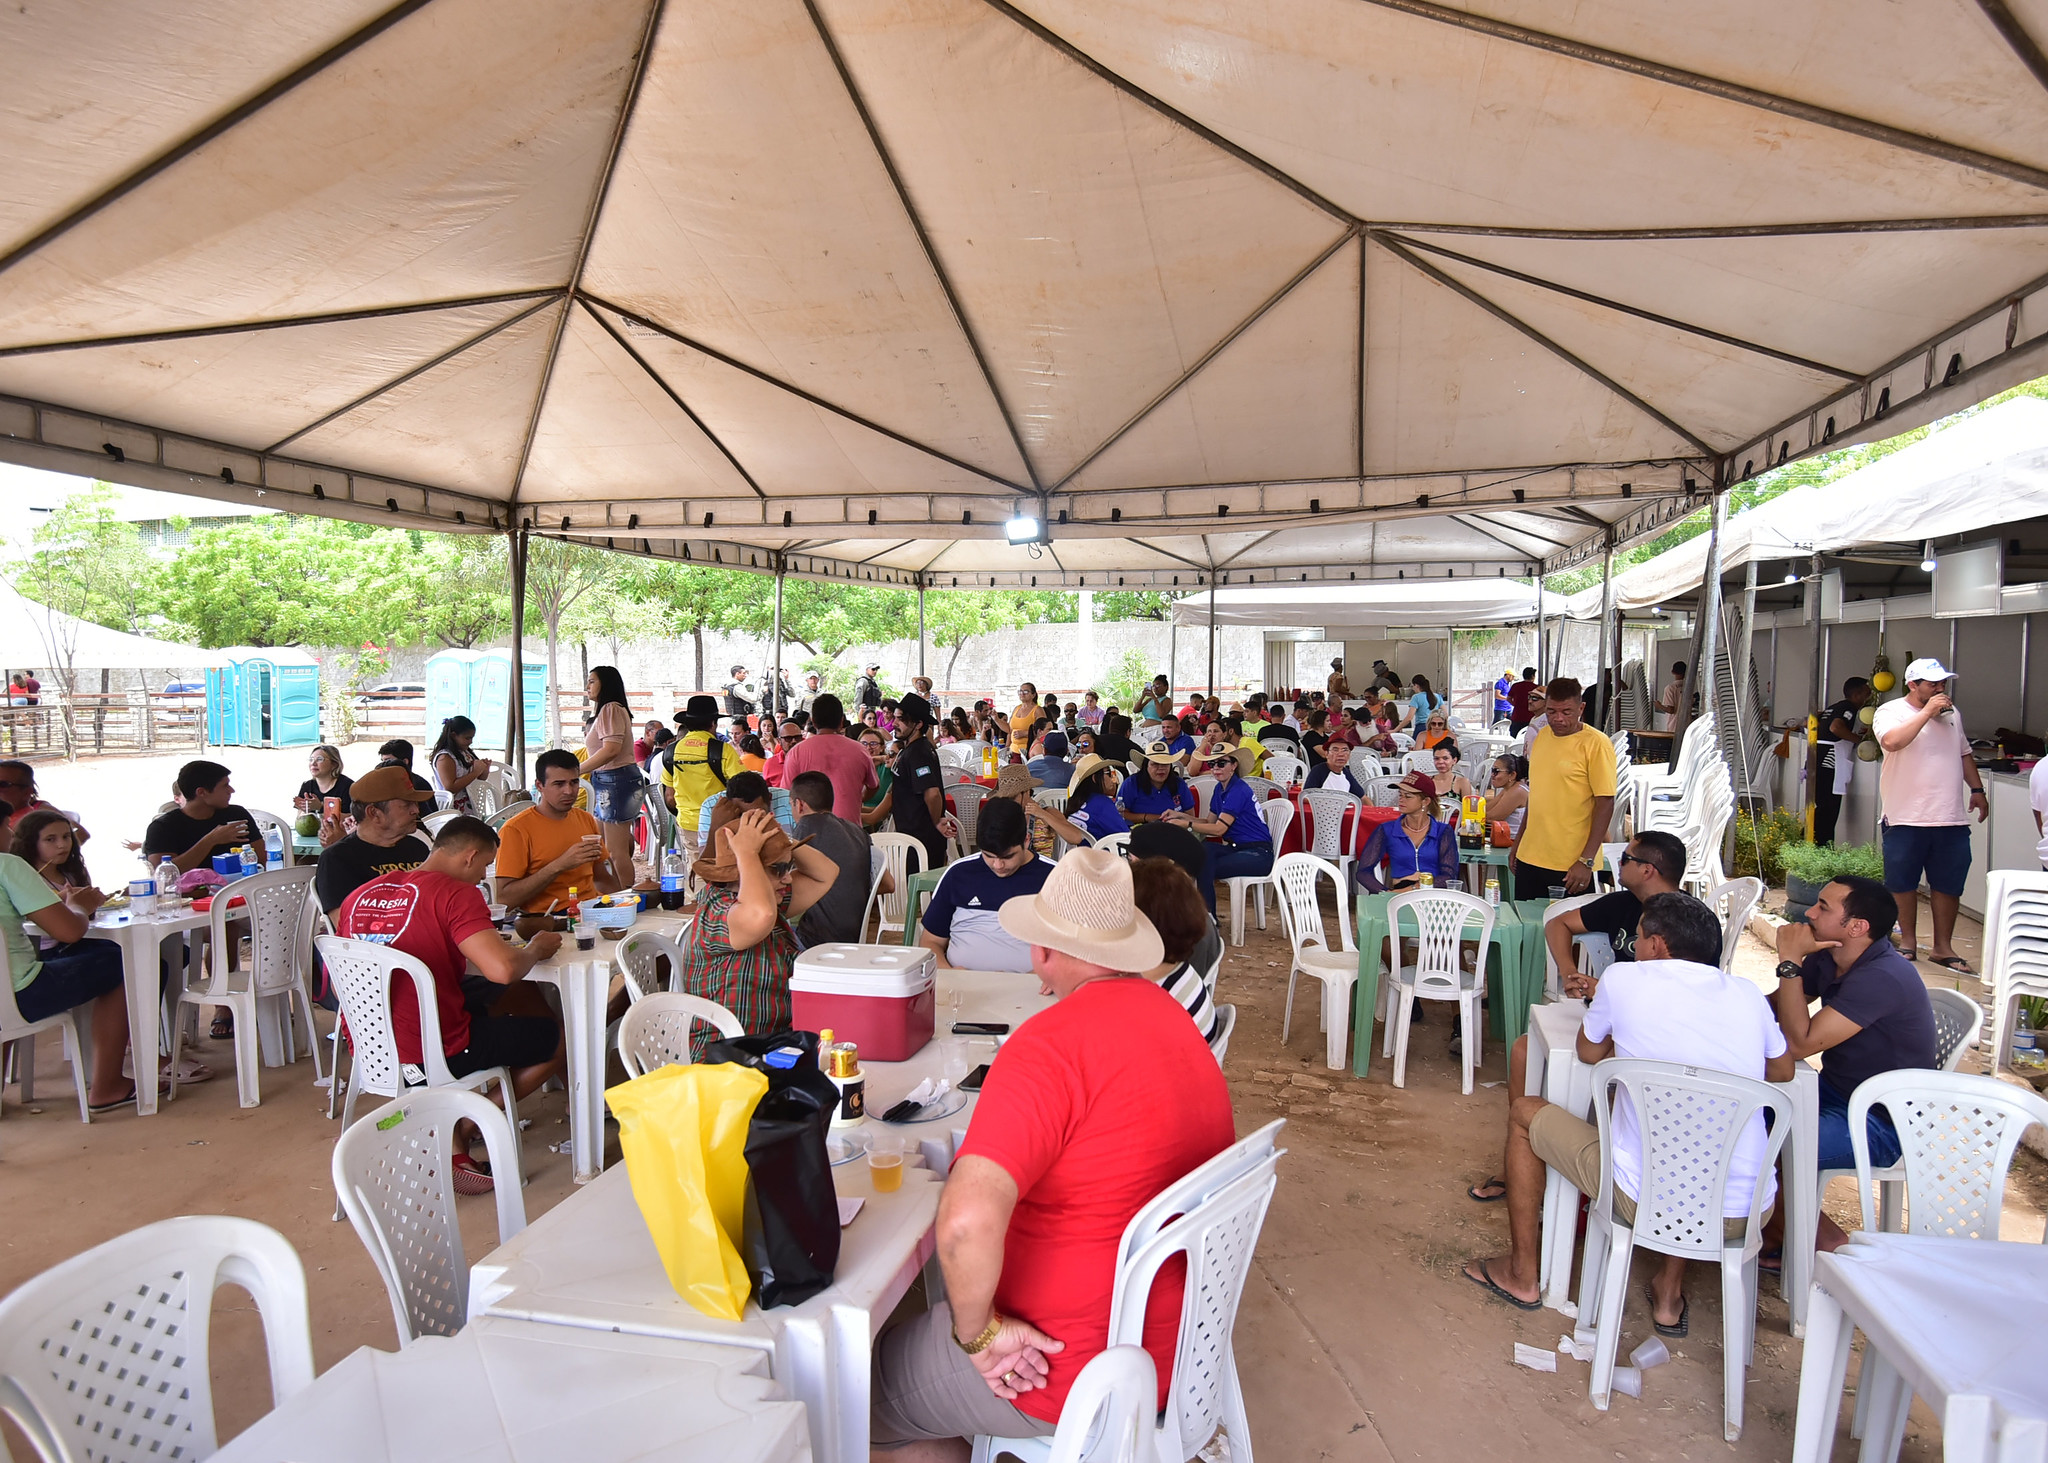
[1516,949]
[921,886]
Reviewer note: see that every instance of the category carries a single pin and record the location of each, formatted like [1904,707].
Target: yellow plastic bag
[683,1130]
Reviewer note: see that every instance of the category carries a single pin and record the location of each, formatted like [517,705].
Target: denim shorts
[80,973]
[1942,853]
[616,794]
[1834,1150]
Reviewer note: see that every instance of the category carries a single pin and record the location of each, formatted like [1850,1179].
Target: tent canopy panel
[1412,605]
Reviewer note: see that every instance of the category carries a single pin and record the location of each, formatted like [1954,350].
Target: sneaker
[471,1177]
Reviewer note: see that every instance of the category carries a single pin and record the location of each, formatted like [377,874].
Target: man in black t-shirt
[386,807]
[1653,864]
[1841,729]
[210,822]
[918,797]
[1113,743]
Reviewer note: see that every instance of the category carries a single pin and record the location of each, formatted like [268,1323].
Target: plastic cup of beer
[885,1161]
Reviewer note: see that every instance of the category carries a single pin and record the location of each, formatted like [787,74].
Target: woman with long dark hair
[616,786]
[49,844]
[1091,798]
[1421,704]
[455,766]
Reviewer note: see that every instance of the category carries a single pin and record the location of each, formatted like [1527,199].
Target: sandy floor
[1357,1338]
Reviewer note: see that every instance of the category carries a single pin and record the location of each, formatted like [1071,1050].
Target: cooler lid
[864,970]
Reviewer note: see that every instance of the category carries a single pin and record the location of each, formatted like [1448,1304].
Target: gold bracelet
[980,1343]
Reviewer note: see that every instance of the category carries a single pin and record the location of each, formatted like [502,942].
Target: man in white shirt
[1539,718]
[1673,1003]
[1926,828]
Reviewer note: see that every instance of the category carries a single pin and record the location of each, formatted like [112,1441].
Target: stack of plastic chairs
[1624,785]
[2015,949]
[1695,799]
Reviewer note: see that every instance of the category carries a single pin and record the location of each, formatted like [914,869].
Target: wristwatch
[980,1343]
[1790,970]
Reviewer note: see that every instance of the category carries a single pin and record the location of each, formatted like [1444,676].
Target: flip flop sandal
[223,1028]
[1677,1329]
[1771,1262]
[1485,1281]
[1955,963]
[471,1177]
[1494,1183]
[97,1108]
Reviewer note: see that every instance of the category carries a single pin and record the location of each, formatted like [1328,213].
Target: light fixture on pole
[1024,528]
[1927,558]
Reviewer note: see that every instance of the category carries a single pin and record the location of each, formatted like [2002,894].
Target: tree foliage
[285,580]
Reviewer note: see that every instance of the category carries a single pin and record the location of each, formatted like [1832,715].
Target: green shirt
[22,893]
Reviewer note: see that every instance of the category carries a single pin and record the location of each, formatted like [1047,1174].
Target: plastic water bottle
[273,848]
[2023,1038]
[142,891]
[166,878]
[248,858]
[675,875]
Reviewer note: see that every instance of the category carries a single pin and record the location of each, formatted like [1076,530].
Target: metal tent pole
[771,700]
[1172,648]
[920,629]
[1710,600]
[515,706]
[1542,670]
[1212,637]
[1817,689]
[1739,668]
[1606,610]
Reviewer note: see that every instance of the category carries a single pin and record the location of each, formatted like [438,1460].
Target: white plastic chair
[655,1031]
[275,906]
[1734,901]
[1610,867]
[1108,1414]
[952,774]
[1441,919]
[107,1355]
[1118,843]
[1202,788]
[1213,1217]
[1277,813]
[1385,791]
[392,1171]
[1286,768]
[967,800]
[1691,1120]
[433,823]
[637,957]
[19,1034]
[363,974]
[897,851]
[1220,1043]
[1553,979]
[1402,742]
[1301,913]
[1324,807]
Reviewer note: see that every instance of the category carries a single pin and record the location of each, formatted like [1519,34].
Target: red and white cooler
[879,997]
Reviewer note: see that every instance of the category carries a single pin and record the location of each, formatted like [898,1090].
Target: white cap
[1927,668]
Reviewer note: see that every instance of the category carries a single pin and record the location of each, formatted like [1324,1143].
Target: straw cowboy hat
[720,866]
[1014,779]
[1160,752]
[1087,910]
[1085,768]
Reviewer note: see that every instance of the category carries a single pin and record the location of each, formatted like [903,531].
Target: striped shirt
[1185,984]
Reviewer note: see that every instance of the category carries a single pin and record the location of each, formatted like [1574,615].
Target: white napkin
[929,1091]
[1535,1358]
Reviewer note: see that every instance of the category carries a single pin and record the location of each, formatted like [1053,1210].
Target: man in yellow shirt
[688,776]
[554,846]
[1571,799]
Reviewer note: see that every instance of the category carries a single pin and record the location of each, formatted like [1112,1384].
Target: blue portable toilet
[491,688]
[450,682]
[264,697]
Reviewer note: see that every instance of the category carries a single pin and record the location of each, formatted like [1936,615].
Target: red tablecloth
[1298,839]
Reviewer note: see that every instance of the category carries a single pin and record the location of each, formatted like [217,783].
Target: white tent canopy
[1414,605]
[37,635]
[1988,469]
[1310,286]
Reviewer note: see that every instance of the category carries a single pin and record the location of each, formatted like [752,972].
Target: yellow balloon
[1883,681]
[1867,715]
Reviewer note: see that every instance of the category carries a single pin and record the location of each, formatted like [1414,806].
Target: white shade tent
[1326,288]
[1415,604]
[37,635]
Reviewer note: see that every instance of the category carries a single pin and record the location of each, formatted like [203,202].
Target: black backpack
[714,756]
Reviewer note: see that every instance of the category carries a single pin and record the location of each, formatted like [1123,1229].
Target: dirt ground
[1358,1338]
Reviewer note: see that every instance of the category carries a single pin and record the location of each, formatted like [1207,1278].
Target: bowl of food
[611,913]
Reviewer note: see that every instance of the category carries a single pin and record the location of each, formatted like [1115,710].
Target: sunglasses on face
[793,739]
[1629,858]
[782,870]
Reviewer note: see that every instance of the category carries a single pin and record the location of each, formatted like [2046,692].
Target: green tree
[287,580]
[686,598]
[1133,604]
[466,583]
[559,574]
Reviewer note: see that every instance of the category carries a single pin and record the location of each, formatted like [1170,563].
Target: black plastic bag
[792,1225]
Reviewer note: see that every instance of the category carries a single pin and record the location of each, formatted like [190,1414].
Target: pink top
[1921,785]
[840,758]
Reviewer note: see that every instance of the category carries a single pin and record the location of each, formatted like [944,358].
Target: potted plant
[1809,867]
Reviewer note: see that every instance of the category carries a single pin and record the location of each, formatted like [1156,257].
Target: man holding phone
[208,822]
[554,845]
[1926,827]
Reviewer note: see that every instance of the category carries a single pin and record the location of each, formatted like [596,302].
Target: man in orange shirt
[554,845]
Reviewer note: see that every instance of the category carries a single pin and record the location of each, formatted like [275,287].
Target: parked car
[191,702]
[391,691]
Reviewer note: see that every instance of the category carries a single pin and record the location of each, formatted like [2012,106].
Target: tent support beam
[924,240]
[1739,668]
[1394,247]
[771,700]
[1602,696]
[1542,667]
[178,152]
[1472,522]
[515,707]
[1212,637]
[2023,45]
[627,105]
[1956,223]
[420,370]
[1699,676]
[1650,315]
[675,396]
[920,627]
[1209,355]
[1726,91]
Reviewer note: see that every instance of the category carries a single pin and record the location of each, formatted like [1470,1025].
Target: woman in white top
[455,766]
[616,786]
[1507,794]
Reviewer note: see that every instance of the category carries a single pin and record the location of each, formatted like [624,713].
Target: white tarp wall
[1337,288]
[1417,605]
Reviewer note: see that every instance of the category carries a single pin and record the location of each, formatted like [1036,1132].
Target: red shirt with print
[1093,1107]
[427,916]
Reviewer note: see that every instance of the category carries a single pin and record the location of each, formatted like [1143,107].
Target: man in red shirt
[1092,1108]
[831,751]
[436,914]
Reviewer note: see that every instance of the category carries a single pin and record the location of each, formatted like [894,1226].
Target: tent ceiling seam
[924,241]
[421,369]
[1896,137]
[1507,318]
[181,150]
[1247,548]
[675,396]
[636,318]
[1209,355]
[627,102]
[1474,521]
[251,327]
[1641,314]
[2023,45]
[1955,223]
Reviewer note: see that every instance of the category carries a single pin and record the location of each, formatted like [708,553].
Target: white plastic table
[504,1390]
[1957,1321]
[1556,1073]
[590,1262]
[141,940]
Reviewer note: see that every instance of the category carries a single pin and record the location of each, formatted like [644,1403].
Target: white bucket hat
[1087,910]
